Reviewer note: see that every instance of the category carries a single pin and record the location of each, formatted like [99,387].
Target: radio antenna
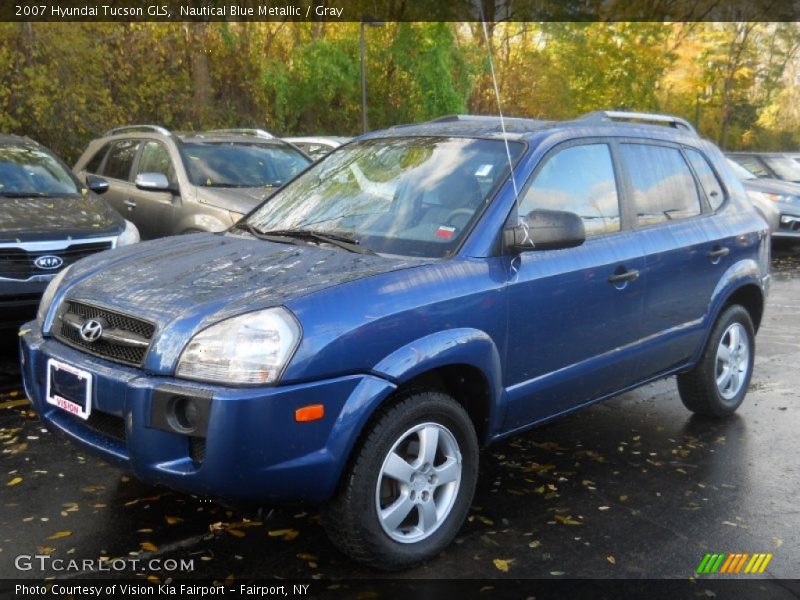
[499,106]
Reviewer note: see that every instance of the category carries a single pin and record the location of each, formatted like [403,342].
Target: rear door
[685,255]
[574,314]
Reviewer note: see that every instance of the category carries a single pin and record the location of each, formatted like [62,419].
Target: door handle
[718,253]
[629,275]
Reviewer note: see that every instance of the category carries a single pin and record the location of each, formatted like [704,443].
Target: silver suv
[170,183]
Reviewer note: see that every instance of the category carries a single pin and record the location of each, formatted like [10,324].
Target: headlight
[249,349]
[129,236]
[775,197]
[49,294]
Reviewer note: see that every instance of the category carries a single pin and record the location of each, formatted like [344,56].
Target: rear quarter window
[663,186]
[93,166]
[708,178]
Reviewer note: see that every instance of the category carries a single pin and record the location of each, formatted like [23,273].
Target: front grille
[18,263]
[103,423]
[116,352]
[197,449]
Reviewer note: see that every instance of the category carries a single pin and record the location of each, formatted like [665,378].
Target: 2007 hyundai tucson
[356,339]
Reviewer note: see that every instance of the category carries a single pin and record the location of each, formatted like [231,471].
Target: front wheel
[717,385]
[409,485]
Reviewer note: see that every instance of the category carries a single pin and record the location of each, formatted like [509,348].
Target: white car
[317,146]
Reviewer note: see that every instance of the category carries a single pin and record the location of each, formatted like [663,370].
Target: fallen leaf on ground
[15,481]
[236,532]
[501,564]
[60,534]
[611,559]
[13,403]
[286,534]
[148,547]
[173,520]
[567,520]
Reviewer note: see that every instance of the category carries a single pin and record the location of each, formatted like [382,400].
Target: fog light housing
[180,410]
[183,414]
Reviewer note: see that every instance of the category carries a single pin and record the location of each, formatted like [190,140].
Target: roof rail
[620,115]
[138,128]
[243,131]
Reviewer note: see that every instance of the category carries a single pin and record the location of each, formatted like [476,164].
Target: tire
[435,500]
[717,385]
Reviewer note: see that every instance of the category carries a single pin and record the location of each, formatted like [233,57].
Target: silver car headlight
[253,348]
[775,197]
[49,294]
[129,236]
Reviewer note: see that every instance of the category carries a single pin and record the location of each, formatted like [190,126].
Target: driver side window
[155,159]
[580,180]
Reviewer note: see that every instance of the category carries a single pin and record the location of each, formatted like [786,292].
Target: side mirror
[96,184]
[153,182]
[546,230]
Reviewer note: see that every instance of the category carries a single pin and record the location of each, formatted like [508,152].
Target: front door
[155,210]
[574,314]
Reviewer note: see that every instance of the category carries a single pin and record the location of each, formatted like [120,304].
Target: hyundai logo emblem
[91,330]
[48,262]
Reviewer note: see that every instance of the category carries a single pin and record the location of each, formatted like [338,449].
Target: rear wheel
[409,486]
[717,385]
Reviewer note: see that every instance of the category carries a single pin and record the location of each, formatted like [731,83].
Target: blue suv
[418,293]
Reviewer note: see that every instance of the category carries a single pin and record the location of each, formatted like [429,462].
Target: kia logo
[91,330]
[48,262]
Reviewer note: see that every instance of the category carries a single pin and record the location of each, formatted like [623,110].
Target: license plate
[69,388]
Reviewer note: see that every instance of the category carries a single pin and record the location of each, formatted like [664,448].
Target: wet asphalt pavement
[632,488]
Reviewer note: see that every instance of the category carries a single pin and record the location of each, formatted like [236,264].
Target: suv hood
[204,278]
[34,218]
[772,186]
[240,200]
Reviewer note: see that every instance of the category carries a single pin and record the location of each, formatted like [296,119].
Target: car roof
[594,123]
[323,140]
[10,138]
[769,154]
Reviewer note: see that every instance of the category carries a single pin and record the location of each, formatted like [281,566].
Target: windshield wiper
[267,237]
[342,241]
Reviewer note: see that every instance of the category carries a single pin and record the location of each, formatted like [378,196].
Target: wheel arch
[463,363]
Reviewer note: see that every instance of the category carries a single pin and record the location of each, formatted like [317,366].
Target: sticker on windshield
[445,232]
[483,171]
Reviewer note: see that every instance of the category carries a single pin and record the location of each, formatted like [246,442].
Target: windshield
[786,168]
[413,196]
[30,171]
[238,164]
[740,171]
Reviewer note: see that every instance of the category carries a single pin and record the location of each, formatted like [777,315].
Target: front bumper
[19,301]
[254,451]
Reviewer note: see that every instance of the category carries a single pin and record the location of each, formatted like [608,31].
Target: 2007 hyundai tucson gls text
[420,292]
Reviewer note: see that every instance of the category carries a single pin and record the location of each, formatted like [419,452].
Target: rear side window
[578,179]
[120,159]
[708,179]
[93,166]
[663,186]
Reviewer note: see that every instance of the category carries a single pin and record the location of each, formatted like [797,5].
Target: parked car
[777,201]
[48,220]
[351,348]
[172,183]
[318,146]
[768,165]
